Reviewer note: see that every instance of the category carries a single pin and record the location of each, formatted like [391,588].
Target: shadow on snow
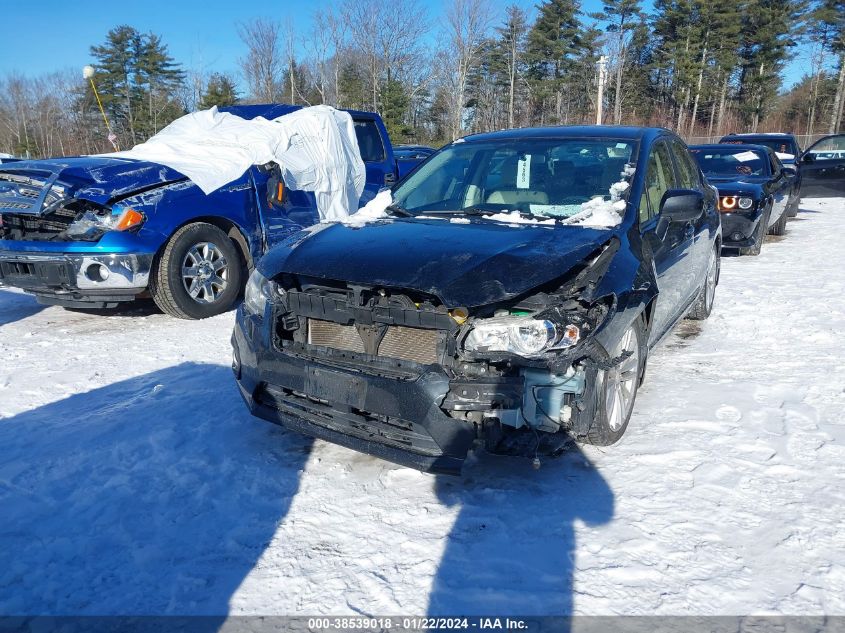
[511,550]
[16,306]
[154,495]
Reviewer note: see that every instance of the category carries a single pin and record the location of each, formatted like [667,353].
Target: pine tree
[137,80]
[220,91]
[394,109]
[554,43]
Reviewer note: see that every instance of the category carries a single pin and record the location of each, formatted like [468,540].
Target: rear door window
[369,141]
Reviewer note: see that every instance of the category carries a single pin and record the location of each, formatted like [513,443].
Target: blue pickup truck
[94,231]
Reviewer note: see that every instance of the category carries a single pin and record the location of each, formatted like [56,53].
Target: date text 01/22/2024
[416,624]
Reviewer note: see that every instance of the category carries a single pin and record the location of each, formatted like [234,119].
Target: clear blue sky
[42,36]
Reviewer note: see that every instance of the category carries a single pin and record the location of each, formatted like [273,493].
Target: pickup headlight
[524,336]
[91,225]
[745,203]
[257,293]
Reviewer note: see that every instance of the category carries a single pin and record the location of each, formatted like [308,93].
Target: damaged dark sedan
[508,296]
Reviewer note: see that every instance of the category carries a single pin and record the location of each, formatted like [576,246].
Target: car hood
[98,178]
[467,264]
[729,185]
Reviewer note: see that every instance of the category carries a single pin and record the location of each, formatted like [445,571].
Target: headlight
[93,224]
[257,293]
[523,336]
[745,203]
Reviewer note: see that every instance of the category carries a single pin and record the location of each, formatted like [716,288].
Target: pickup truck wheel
[616,388]
[703,305]
[198,274]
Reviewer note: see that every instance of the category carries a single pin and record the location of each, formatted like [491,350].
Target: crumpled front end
[68,247]
[392,372]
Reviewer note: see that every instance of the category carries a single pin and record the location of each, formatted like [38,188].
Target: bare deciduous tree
[467,25]
[264,63]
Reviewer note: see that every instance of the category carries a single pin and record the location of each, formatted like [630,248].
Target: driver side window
[660,177]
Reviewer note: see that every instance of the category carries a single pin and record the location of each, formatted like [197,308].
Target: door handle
[390,179]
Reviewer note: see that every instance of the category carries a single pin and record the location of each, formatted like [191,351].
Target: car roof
[739,147]
[760,135]
[274,110]
[572,131]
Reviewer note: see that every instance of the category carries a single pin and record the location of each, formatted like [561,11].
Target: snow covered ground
[132,479]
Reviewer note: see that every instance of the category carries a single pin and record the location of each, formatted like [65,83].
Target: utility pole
[602,78]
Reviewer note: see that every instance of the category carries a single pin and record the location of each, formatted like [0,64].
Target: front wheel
[198,274]
[757,246]
[779,227]
[703,305]
[616,388]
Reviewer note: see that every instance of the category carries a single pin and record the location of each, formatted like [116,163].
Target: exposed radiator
[405,343]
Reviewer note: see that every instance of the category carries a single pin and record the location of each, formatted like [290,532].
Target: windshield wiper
[467,211]
[395,209]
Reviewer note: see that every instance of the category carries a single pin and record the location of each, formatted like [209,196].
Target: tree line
[699,67]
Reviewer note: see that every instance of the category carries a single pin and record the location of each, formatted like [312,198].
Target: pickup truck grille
[24,226]
[405,343]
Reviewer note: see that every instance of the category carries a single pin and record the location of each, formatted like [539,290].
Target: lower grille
[404,343]
[364,425]
[26,226]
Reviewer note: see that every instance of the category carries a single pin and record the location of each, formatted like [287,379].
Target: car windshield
[731,162]
[549,178]
[781,146]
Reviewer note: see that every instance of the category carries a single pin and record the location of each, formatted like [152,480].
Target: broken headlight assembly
[90,225]
[257,293]
[520,335]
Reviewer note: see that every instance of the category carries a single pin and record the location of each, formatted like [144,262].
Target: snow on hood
[316,149]
[374,210]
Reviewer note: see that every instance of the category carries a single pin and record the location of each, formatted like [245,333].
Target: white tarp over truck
[315,147]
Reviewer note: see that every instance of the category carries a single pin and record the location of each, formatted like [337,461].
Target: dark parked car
[822,167]
[756,193]
[784,145]
[510,298]
[408,157]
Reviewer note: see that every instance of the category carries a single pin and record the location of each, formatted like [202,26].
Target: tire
[792,212]
[215,268]
[755,248]
[703,305]
[610,423]
[779,227]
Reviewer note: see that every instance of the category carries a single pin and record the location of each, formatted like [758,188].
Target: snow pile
[316,149]
[601,213]
[514,217]
[374,210]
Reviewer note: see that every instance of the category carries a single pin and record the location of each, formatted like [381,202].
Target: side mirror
[682,205]
[808,158]
[276,190]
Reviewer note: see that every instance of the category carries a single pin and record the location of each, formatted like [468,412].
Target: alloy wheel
[620,381]
[205,272]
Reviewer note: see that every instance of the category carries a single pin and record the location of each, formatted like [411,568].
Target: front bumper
[739,229]
[81,280]
[395,418]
